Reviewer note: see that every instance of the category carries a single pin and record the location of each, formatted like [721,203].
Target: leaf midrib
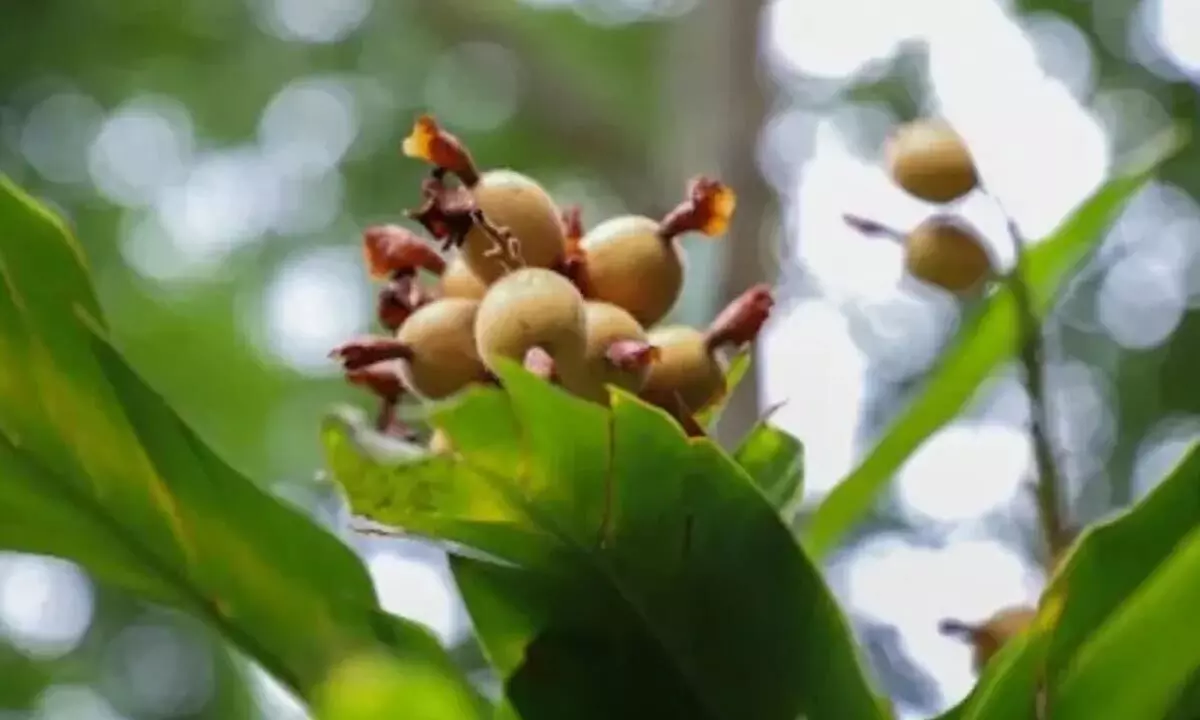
[553,529]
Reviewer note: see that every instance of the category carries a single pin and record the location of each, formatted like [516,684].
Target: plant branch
[1032,356]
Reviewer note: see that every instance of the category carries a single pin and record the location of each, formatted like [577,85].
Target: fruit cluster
[930,161]
[516,277]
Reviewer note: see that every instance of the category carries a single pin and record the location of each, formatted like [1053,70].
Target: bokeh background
[220,157]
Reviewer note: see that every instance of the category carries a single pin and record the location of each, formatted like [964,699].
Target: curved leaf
[739,365]
[96,468]
[1115,626]
[681,593]
[982,345]
[774,460]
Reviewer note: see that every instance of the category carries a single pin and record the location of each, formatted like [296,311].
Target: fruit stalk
[1032,357]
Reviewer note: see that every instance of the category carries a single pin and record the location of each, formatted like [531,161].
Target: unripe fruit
[686,369]
[987,639]
[617,353]
[636,263]
[929,160]
[458,281]
[442,357]
[531,308]
[514,201]
[943,251]
[629,265]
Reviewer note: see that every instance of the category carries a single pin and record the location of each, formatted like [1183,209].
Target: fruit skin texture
[458,281]
[532,308]
[929,160]
[630,265]
[444,359]
[944,252]
[685,368]
[514,201]
[607,324]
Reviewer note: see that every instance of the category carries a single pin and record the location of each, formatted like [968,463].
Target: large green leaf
[96,468]
[982,345]
[668,586]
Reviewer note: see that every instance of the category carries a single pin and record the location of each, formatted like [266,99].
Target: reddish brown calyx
[365,351]
[540,363]
[449,212]
[429,142]
[631,355]
[391,249]
[572,223]
[384,382]
[708,209]
[400,298]
[741,320]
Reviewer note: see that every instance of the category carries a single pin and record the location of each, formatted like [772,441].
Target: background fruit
[943,251]
[931,161]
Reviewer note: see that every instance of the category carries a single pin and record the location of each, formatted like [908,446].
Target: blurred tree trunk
[716,105]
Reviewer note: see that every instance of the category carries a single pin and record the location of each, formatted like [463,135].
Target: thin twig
[1032,357]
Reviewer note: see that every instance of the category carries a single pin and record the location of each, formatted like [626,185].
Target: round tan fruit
[944,252]
[629,264]
[607,324]
[458,281]
[444,359]
[685,369]
[531,308]
[929,160]
[514,201]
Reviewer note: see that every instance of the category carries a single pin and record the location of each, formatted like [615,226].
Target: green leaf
[1141,659]
[738,367]
[982,345]
[1115,636]
[678,591]
[24,679]
[774,460]
[1008,688]
[96,468]
[1130,580]
[375,687]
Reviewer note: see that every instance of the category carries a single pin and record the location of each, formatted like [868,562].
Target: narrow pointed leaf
[774,460]
[982,345]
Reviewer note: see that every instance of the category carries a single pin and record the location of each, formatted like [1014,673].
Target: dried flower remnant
[708,210]
[368,350]
[391,249]
[429,142]
[399,298]
[742,320]
[383,380]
